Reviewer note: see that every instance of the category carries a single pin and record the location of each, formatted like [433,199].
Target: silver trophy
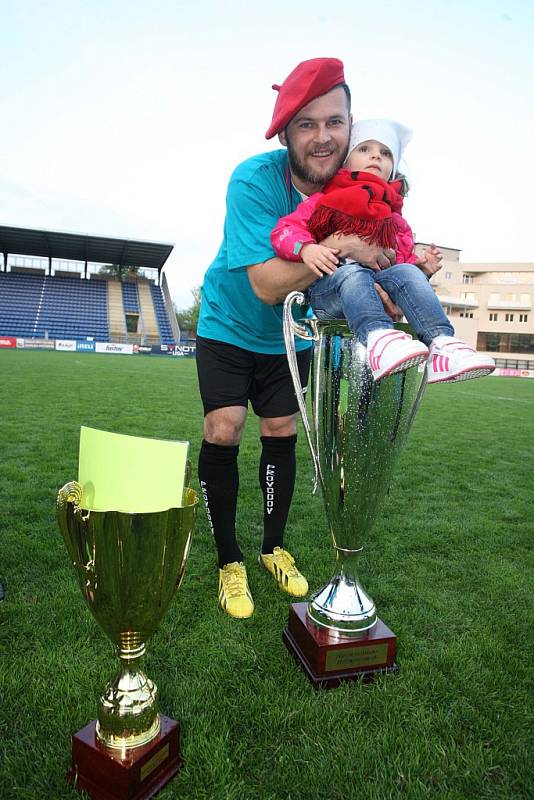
[357,430]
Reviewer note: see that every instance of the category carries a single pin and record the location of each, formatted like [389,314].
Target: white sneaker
[390,351]
[452,360]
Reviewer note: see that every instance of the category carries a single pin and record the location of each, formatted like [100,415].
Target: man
[240,347]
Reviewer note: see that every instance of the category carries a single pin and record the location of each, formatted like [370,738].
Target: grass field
[449,565]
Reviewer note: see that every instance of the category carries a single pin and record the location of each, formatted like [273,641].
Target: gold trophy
[127,524]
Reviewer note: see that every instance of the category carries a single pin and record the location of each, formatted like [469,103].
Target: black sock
[277,481]
[219,483]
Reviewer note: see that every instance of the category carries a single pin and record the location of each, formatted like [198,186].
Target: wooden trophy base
[111,775]
[328,660]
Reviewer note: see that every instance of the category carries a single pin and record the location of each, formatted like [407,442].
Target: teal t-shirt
[259,193]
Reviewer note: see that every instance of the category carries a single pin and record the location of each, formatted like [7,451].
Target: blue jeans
[350,293]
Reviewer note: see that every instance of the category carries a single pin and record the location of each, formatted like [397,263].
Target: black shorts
[231,376]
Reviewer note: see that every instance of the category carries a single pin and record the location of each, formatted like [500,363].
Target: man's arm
[272,280]
[368,255]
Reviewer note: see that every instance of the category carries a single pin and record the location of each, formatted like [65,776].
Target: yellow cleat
[234,594]
[281,564]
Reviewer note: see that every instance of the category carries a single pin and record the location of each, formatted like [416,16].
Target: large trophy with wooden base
[127,524]
[357,430]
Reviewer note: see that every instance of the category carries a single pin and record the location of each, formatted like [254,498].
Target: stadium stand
[52,285]
[165,331]
[19,303]
[130,296]
[56,307]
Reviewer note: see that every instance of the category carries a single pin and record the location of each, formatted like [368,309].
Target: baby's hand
[430,261]
[320,259]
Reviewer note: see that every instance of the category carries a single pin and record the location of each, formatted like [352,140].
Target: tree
[188,317]
[119,270]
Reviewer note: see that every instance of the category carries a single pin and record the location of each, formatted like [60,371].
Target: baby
[365,199]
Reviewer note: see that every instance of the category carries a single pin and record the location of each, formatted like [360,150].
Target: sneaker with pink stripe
[390,351]
[452,360]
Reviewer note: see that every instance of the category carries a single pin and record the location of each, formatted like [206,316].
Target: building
[490,306]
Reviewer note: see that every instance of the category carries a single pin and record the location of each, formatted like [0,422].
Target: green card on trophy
[113,472]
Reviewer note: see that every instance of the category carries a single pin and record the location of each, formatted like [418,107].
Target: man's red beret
[309,80]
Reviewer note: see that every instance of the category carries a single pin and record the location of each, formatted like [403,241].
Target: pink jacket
[291,233]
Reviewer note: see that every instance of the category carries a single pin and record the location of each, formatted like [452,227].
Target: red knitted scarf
[358,203]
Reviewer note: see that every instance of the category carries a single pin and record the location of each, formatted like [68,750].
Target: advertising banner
[37,344]
[142,348]
[67,345]
[85,347]
[179,350]
[114,347]
[8,341]
[507,372]
[185,350]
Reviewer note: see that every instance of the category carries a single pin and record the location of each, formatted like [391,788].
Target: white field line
[495,397]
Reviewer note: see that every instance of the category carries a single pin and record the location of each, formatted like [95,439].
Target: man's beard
[301,171]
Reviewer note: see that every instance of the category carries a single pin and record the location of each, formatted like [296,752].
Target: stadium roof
[83,247]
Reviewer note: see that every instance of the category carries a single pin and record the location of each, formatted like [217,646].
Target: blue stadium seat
[130,297]
[165,330]
[67,308]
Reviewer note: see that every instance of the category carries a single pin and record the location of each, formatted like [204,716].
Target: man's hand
[430,261]
[389,306]
[368,255]
[321,260]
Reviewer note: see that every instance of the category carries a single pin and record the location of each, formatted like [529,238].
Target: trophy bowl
[357,430]
[128,567]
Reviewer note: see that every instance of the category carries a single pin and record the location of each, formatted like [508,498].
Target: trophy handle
[187,481]
[308,330]
[68,505]
[71,493]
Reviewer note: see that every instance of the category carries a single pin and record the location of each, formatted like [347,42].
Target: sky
[127,118]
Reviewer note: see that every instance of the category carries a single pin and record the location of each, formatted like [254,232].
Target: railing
[509,305]
[514,363]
